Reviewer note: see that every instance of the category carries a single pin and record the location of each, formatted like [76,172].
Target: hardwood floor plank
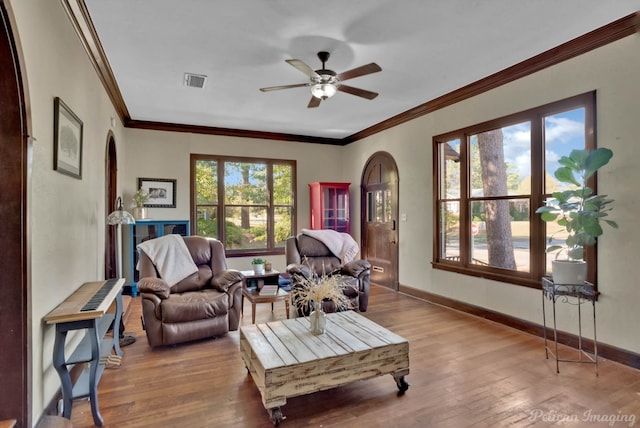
[464,372]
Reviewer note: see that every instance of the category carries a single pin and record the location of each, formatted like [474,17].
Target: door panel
[380,219]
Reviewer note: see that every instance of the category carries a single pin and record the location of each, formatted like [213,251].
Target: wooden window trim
[221,205]
[537,226]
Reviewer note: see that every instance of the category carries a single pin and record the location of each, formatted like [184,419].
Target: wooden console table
[86,309]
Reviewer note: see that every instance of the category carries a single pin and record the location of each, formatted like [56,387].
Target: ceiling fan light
[323,90]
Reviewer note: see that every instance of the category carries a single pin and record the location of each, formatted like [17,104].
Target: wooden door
[380,219]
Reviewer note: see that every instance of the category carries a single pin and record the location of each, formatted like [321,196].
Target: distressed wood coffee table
[286,360]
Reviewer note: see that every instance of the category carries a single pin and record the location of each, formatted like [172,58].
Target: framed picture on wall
[67,140]
[162,192]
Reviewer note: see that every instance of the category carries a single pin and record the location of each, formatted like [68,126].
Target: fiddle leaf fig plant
[578,211]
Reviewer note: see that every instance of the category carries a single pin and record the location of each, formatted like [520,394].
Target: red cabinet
[330,206]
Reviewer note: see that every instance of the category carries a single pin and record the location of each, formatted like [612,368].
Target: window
[248,204]
[490,179]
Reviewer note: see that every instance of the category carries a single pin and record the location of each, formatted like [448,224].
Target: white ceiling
[426,48]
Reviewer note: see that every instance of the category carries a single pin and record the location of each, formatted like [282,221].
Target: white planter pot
[258,269]
[569,272]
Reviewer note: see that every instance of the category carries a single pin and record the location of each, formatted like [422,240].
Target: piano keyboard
[99,296]
[91,300]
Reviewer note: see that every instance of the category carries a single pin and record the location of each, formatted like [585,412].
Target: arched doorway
[379,222]
[111,192]
[15,304]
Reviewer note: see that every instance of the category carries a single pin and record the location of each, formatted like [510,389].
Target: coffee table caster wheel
[402,385]
[276,416]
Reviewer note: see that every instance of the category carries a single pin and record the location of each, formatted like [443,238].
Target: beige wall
[156,154]
[67,215]
[614,72]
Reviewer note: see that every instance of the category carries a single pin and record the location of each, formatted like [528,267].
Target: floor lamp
[118,218]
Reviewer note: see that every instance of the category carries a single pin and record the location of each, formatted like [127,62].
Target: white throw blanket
[171,257]
[342,245]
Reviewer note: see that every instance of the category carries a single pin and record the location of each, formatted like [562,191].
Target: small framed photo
[162,192]
[67,140]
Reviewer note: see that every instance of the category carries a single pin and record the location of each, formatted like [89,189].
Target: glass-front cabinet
[141,231]
[330,206]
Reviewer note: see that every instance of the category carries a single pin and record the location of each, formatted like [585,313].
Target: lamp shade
[323,90]
[120,216]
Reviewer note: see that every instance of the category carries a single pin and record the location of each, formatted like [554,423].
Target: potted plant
[578,211]
[139,199]
[258,265]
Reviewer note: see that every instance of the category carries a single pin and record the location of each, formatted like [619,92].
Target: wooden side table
[267,278]
[252,294]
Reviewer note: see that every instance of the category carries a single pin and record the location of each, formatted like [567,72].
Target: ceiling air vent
[195,80]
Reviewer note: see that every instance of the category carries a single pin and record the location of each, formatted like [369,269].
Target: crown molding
[82,24]
[79,17]
[595,39]
[230,132]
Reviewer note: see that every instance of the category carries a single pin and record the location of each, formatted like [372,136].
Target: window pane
[246,228]
[283,223]
[282,185]
[449,155]
[500,161]
[387,206]
[206,182]
[500,234]
[379,206]
[563,132]
[208,221]
[370,207]
[450,230]
[245,183]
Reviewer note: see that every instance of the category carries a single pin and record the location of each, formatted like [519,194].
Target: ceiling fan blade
[314,102]
[357,92]
[300,65]
[359,71]
[277,88]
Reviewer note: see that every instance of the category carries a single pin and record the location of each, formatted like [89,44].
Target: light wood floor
[465,372]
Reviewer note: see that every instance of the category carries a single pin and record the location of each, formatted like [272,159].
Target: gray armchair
[306,255]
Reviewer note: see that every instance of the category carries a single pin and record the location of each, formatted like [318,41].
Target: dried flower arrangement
[311,289]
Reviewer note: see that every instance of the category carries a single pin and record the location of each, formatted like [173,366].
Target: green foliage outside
[245,202]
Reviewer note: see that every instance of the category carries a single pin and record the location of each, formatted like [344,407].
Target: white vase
[569,272]
[258,269]
[318,321]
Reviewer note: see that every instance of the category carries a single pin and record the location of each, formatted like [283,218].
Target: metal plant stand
[575,295]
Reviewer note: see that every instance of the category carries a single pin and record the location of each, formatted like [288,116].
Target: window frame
[537,227]
[221,205]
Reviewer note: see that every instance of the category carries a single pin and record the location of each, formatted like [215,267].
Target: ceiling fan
[325,83]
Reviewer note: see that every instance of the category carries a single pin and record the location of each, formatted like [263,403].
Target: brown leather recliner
[205,304]
[305,255]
